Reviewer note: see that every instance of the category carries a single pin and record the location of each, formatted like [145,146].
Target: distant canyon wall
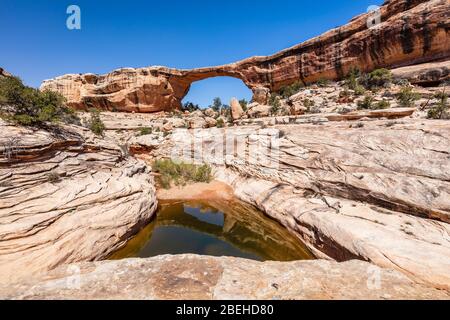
[410,32]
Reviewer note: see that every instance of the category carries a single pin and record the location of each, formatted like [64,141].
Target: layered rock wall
[66,197]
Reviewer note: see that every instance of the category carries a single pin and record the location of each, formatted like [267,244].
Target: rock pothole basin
[214,228]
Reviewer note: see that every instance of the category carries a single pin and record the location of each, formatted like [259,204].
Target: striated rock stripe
[66,197]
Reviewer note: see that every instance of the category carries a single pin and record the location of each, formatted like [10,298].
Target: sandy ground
[197,191]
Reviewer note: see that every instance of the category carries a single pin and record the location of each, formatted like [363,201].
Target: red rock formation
[410,32]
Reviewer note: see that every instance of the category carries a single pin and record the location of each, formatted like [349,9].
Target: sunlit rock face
[409,32]
[66,196]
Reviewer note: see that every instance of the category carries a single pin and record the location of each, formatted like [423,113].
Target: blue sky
[36,44]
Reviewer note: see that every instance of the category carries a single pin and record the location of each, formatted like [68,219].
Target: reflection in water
[215,228]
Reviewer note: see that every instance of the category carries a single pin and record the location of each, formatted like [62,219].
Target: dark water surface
[215,228]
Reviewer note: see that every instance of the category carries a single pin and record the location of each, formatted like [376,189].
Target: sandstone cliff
[410,32]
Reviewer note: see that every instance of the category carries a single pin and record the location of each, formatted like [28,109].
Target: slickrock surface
[410,32]
[196,277]
[378,192]
[394,113]
[66,197]
[424,74]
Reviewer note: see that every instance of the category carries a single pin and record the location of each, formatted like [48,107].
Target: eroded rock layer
[66,197]
[410,32]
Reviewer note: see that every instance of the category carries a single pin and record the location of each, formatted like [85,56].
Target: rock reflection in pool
[215,228]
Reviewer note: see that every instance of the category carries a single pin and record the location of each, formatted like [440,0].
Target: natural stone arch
[202,79]
[183,83]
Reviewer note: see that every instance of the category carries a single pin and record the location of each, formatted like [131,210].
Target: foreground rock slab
[66,196]
[200,277]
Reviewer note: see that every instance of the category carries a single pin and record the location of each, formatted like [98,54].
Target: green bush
[366,103]
[377,79]
[359,90]
[181,173]
[274,110]
[323,82]
[32,107]
[407,97]
[95,123]
[145,131]
[288,91]
[358,81]
[190,107]
[220,123]
[441,109]
[217,104]
[384,104]
[351,81]
[344,93]
[244,104]
[308,103]
[225,111]
[274,102]
[53,177]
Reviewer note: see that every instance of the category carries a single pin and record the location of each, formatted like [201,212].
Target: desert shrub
[323,82]
[11,147]
[95,122]
[217,104]
[275,108]
[244,104]
[290,90]
[344,93]
[308,104]
[441,109]
[366,103]
[145,131]
[225,111]
[383,104]
[407,97]
[31,107]
[401,82]
[181,173]
[274,102]
[359,90]
[220,123]
[357,125]
[376,79]
[190,107]
[358,81]
[351,81]
[53,177]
